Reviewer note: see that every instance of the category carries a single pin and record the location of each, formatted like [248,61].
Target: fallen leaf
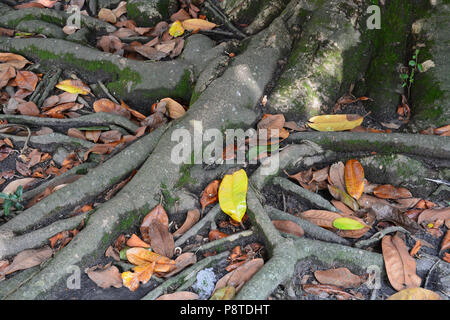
[197,24]
[345,223]
[161,240]
[335,122]
[12,186]
[341,195]
[233,194]
[28,258]
[354,178]
[175,109]
[288,226]
[431,215]
[107,15]
[341,277]
[156,214]
[106,105]
[239,276]
[225,293]
[181,262]
[176,29]
[192,217]
[319,289]
[26,80]
[12,60]
[209,195]
[415,249]
[337,175]
[388,191]
[446,241]
[216,235]
[74,86]
[105,277]
[135,241]
[321,218]
[400,266]
[179,295]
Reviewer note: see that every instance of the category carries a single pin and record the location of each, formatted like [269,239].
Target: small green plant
[408,77]
[12,200]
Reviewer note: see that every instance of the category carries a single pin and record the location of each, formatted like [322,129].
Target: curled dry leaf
[354,178]
[319,289]
[179,295]
[107,15]
[388,191]
[415,294]
[209,195]
[135,241]
[337,175]
[175,109]
[322,218]
[26,80]
[12,186]
[106,105]
[157,213]
[28,258]
[192,218]
[105,277]
[12,60]
[342,207]
[239,276]
[288,226]
[341,277]
[400,266]
[161,240]
[446,241]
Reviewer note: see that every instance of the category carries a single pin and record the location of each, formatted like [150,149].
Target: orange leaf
[216,234]
[209,195]
[135,241]
[388,191]
[354,178]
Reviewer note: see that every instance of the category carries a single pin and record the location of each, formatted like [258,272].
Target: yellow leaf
[197,24]
[233,194]
[176,29]
[74,86]
[415,294]
[335,122]
[347,224]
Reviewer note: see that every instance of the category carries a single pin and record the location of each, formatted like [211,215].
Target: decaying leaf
[400,266]
[341,277]
[161,240]
[182,261]
[175,109]
[105,277]
[431,215]
[288,226]
[322,218]
[239,276]
[388,191]
[157,213]
[28,258]
[341,195]
[209,195]
[192,218]
[197,24]
[216,235]
[74,86]
[135,241]
[225,293]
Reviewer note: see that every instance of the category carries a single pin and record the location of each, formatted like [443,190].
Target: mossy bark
[430,93]
[317,71]
[147,13]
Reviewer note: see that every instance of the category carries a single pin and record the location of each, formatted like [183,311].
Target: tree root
[178,280]
[222,244]
[378,236]
[37,238]
[384,143]
[94,119]
[87,187]
[312,198]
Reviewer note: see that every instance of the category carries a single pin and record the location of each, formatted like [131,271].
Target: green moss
[185,178]
[169,200]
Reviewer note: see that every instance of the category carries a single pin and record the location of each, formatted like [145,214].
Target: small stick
[105,90]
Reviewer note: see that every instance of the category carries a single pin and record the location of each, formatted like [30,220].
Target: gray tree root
[37,238]
[312,198]
[137,82]
[384,143]
[87,187]
[94,119]
[231,97]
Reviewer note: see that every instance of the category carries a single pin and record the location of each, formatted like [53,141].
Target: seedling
[12,200]
[408,77]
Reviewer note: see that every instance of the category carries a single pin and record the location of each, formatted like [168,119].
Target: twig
[49,87]
[106,91]
[219,15]
[25,145]
[378,236]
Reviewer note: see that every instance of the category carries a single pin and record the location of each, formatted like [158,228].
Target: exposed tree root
[94,119]
[38,238]
[311,197]
[384,143]
[51,141]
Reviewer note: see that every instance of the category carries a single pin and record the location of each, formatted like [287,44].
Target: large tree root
[384,143]
[230,97]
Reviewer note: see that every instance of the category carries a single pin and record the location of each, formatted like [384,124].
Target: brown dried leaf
[105,277]
[216,235]
[341,277]
[175,109]
[192,218]
[288,226]
[209,195]
[179,295]
[239,276]
[446,241]
[337,175]
[161,240]
[388,191]
[29,258]
[322,218]
[135,241]
[157,213]
[181,262]
[400,266]
[431,215]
